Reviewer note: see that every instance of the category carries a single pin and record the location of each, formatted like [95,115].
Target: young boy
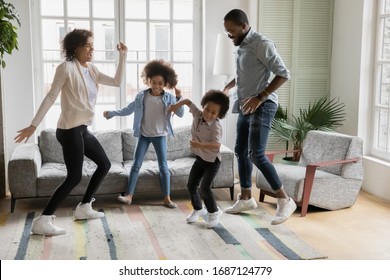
[205,144]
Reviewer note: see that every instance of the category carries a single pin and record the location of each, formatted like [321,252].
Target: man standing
[256,103]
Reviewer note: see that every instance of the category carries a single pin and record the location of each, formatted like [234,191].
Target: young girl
[152,123]
[205,144]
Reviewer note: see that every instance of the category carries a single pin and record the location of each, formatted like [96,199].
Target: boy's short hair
[217,97]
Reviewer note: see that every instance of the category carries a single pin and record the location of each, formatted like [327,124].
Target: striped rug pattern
[152,233]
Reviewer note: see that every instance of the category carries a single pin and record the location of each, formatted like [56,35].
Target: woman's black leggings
[77,142]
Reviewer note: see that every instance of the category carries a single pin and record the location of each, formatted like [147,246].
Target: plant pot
[289,161]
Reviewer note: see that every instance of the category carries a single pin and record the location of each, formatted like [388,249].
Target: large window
[152,29]
[381,135]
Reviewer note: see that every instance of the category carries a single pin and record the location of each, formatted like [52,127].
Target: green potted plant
[9,22]
[324,114]
[8,35]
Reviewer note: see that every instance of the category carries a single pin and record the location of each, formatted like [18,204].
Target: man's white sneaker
[196,214]
[213,218]
[85,211]
[241,205]
[43,225]
[284,209]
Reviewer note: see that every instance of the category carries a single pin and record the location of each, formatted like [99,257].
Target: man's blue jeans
[252,137]
[160,146]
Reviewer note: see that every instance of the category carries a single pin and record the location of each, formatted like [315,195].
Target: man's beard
[240,39]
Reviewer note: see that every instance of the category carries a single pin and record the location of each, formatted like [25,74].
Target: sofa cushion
[53,174]
[177,167]
[129,144]
[149,174]
[148,168]
[178,146]
[51,149]
[180,170]
[111,141]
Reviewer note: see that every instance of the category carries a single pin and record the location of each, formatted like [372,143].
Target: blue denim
[252,137]
[160,146]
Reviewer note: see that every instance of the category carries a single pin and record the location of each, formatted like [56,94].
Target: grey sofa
[35,170]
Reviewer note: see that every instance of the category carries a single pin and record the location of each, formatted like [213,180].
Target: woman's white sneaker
[85,211]
[43,225]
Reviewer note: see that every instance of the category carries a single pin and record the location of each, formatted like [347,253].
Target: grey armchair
[329,174]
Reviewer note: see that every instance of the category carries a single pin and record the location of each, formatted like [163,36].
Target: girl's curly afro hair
[161,68]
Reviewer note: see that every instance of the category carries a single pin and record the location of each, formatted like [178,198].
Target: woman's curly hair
[217,97]
[74,39]
[161,68]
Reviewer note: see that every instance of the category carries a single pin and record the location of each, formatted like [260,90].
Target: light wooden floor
[357,233]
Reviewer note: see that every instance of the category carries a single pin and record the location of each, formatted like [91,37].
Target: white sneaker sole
[233,210]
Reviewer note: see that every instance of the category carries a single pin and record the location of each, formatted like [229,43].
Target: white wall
[213,24]
[346,58]
[352,79]
[18,81]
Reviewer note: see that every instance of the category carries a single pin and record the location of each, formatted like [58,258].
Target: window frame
[381,153]
[119,33]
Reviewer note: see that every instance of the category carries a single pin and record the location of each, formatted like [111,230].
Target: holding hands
[174,107]
[105,114]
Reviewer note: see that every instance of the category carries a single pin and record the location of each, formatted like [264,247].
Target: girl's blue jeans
[160,146]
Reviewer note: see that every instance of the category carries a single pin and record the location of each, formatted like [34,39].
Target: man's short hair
[237,16]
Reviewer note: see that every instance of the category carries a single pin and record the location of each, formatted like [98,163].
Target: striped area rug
[152,233]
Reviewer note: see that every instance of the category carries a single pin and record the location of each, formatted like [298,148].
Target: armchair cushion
[325,146]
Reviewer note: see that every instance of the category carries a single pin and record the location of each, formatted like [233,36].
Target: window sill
[377,160]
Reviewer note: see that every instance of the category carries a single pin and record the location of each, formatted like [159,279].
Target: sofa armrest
[272,154]
[23,169]
[225,175]
[334,162]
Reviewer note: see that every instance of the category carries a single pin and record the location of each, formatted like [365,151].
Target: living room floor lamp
[224,64]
